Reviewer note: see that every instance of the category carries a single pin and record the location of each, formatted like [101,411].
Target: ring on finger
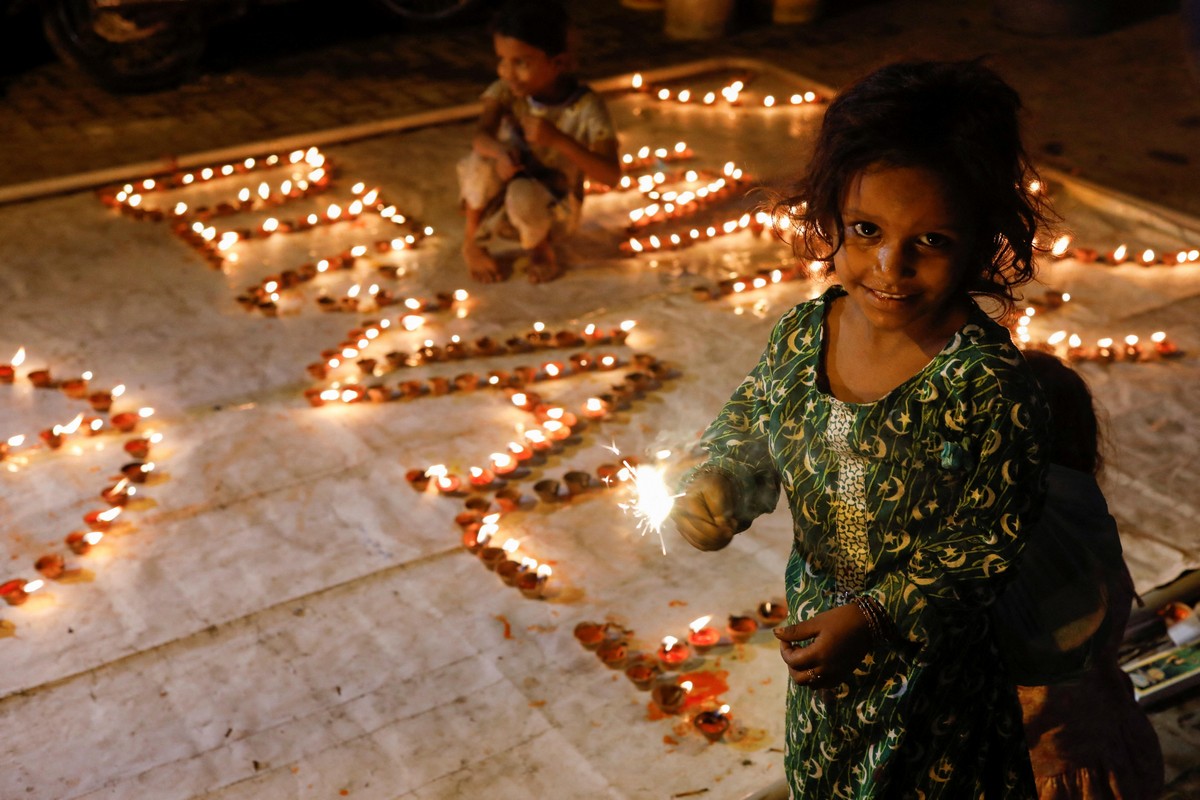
[813,675]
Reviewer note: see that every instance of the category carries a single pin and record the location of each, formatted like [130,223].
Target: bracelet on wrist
[875,615]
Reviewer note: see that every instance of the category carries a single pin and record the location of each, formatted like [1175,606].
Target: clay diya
[126,421]
[547,490]
[74,388]
[577,482]
[670,697]
[712,724]
[481,478]
[492,557]
[701,637]
[508,572]
[613,653]
[51,566]
[532,582]
[673,652]
[772,612]
[101,520]
[741,628]
[417,479]
[509,499]
[642,672]
[137,471]
[82,541]
[17,591]
[591,634]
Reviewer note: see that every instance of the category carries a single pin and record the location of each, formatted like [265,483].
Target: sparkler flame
[652,500]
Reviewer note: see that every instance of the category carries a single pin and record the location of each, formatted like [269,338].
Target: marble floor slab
[277,613]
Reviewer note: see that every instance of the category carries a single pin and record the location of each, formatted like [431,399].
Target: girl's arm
[739,478]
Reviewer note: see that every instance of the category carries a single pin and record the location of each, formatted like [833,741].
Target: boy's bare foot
[482,266]
[543,264]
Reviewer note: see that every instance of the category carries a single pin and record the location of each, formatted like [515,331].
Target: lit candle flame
[93,537]
[19,358]
[1060,246]
[686,686]
[32,586]
[699,623]
[110,515]
[544,571]
[511,546]
[669,642]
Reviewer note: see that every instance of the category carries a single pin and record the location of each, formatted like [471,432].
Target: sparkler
[652,500]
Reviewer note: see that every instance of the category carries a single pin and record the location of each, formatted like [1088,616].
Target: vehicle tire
[430,10]
[123,51]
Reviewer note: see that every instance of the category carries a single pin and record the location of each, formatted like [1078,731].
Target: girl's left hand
[823,651]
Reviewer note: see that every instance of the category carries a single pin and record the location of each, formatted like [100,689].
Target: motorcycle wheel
[123,51]
[429,10]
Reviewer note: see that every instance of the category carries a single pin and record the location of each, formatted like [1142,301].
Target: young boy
[541,132]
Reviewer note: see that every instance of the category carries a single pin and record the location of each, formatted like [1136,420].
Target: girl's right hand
[704,515]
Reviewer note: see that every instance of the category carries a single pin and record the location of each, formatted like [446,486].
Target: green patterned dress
[919,500]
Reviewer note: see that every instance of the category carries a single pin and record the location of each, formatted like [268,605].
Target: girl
[1087,737]
[907,432]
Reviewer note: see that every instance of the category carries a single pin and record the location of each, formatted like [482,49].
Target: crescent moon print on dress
[917,500]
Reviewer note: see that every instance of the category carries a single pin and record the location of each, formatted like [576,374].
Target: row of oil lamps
[53,566]
[359,339]
[728,95]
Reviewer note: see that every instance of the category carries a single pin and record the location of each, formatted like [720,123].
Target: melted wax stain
[706,687]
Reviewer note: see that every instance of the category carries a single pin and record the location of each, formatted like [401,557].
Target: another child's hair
[543,24]
[957,119]
[1075,432]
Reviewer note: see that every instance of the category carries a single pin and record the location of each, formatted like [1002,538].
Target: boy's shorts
[524,206]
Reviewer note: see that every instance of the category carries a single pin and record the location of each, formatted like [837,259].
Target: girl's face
[902,259]
[529,71]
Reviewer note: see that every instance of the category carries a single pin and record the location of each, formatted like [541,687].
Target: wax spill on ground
[706,686]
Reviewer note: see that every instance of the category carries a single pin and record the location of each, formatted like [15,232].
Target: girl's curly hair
[957,119]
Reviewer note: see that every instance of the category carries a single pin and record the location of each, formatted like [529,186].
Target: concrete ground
[1119,109]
